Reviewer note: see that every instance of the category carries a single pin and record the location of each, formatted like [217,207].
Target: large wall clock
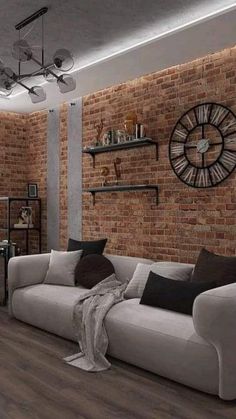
[202,148]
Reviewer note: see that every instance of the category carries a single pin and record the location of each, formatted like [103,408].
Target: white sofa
[198,351]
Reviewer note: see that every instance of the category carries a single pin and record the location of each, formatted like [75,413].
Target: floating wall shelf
[122,188]
[141,142]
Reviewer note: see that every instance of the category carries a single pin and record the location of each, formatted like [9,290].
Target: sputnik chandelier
[62,61]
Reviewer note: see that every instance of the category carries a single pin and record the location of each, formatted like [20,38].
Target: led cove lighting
[149,40]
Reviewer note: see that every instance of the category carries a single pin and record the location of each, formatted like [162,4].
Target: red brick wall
[13,168]
[37,166]
[186,218]
[13,149]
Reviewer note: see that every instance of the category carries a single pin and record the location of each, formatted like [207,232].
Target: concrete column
[75,169]
[53,180]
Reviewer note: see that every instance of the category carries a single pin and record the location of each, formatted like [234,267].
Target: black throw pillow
[92,269]
[221,269]
[88,247]
[171,294]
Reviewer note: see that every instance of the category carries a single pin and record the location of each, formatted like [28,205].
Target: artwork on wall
[24,219]
[32,190]
[202,147]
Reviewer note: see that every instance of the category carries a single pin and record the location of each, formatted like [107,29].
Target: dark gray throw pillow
[88,247]
[171,294]
[211,267]
[92,269]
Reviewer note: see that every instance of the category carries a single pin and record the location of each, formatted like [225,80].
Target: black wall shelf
[121,188]
[141,142]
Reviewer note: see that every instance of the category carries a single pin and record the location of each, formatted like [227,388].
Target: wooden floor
[36,384]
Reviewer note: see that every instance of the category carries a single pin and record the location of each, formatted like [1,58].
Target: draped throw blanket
[89,314]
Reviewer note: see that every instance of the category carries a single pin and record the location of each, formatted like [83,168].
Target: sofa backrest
[125,265]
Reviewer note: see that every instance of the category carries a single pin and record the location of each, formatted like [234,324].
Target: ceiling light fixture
[22,52]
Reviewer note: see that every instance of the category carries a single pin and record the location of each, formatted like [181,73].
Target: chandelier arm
[15,79]
[44,67]
[34,73]
[28,75]
[23,85]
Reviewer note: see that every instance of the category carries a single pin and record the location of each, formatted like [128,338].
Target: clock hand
[203,131]
[191,145]
[212,144]
[203,160]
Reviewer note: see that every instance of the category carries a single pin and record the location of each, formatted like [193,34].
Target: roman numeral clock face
[202,148]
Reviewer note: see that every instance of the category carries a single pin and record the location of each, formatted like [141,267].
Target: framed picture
[32,190]
[24,219]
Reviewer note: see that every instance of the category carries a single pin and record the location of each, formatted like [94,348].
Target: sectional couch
[198,351]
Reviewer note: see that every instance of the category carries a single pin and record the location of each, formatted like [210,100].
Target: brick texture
[37,166]
[13,168]
[186,218]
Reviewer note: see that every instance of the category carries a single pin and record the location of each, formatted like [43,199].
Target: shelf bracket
[156,145]
[93,157]
[93,196]
[157,200]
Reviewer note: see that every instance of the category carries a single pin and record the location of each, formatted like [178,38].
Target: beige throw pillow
[62,266]
[172,270]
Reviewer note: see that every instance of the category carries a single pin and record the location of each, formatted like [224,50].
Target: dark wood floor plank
[35,383]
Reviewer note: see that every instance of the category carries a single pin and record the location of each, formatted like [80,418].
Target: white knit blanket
[89,314]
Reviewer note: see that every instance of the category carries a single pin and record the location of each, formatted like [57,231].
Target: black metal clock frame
[188,133]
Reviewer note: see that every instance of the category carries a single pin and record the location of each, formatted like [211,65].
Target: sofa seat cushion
[163,342]
[49,307]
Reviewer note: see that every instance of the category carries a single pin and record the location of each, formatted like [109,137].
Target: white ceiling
[114,41]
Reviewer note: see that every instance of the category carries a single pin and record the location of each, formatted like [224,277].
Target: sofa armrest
[214,318]
[24,271]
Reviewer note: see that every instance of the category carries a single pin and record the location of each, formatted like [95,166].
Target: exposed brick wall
[13,149]
[37,166]
[186,218]
[13,168]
